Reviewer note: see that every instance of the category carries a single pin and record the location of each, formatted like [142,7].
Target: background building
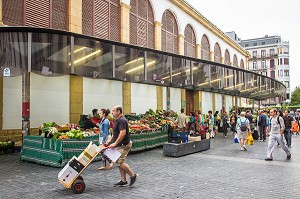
[269,56]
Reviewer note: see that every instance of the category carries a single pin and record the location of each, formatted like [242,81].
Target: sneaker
[121,183]
[288,157]
[269,159]
[132,180]
[245,148]
[242,149]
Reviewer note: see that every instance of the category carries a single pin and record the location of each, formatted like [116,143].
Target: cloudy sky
[257,18]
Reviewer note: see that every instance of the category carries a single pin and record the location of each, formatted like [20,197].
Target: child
[295,127]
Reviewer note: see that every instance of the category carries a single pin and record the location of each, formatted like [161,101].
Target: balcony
[266,56]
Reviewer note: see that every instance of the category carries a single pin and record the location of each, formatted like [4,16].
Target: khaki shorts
[243,135]
[124,150]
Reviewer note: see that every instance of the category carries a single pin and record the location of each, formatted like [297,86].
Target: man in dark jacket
[262,124]
[288,126]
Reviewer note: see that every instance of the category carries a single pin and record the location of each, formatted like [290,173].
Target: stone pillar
[200,101]
[75,16]
[126,97]
[240,101]
[213,102]
[198,51]
[224,103]
[181,44]
[1,19]
[157,35]
[232,102]
[1,99]
[76,98]
[212,56]
[125,25]
[222,60]
[183,99]
[159,98]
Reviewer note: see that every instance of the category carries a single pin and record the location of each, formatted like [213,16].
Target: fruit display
[152,121]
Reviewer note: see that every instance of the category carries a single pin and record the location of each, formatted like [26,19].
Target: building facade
[72,56]
[269,56]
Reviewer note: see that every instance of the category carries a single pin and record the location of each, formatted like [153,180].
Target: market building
[72,56]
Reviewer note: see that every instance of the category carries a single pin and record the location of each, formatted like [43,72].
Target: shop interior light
[78,50]
[87,56]
[140,67]
[248,89]
[135,60]
[230,87]
[215,80]
[176,74]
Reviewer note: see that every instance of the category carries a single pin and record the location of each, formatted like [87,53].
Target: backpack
[277,121]
[243,126]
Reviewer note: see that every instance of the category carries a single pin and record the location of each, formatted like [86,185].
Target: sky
[257,18]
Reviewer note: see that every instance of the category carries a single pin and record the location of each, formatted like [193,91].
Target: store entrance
[189,101]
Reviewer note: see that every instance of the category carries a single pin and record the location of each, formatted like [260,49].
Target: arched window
[227,58]
[189,41]
[235,61]
[101,18]
[217,53]
[169,33]
[42,13]
[205,48]
[242,64]
[141,23]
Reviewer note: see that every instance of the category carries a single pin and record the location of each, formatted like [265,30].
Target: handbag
[236,139]
[221,123]
[250,140]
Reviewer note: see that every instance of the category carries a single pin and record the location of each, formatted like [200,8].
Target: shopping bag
[236,139]
[250,140]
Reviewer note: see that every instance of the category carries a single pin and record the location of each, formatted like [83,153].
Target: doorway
[189,101]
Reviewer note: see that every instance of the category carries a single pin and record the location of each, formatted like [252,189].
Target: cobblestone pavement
[221,172]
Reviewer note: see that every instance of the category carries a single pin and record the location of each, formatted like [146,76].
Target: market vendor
[89,124]
[96,117]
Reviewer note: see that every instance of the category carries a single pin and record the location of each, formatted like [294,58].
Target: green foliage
[295,99]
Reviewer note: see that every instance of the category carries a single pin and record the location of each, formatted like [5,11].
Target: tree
[295,99]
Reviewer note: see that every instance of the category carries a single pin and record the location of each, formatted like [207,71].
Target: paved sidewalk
[221,172]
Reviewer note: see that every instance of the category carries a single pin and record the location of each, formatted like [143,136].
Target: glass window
[201,75]
[181,73]
[130,64]
[280,61]
[263,43]
[272,52]
[281,72]
[160,72]
[264,73]
[50,54]
[13,53]
[286,73]
[246,45]
[254,53]
[263,64]
[286,61]
[93,58]
[255,44]
[287,84]
[263,53]
[254,65]
[272,74]
[272,63]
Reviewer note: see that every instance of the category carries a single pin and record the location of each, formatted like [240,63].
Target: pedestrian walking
[243,130]
[288,127]
[224,123]
[121,141]
[276,130]
[262,124]
[103,136]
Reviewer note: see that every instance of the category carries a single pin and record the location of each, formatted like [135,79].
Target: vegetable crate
[70,175]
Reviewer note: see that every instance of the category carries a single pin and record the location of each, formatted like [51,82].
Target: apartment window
[254,65]
[263,53]
[287,96]
[281,73]
[254,53]
[264,73]
[263,43]
[286,61]
[263,64]
[272,52]
[287,84]
[280,61]
[254,44]
[246,45]
[286,73]
[272,74]
[272,63]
